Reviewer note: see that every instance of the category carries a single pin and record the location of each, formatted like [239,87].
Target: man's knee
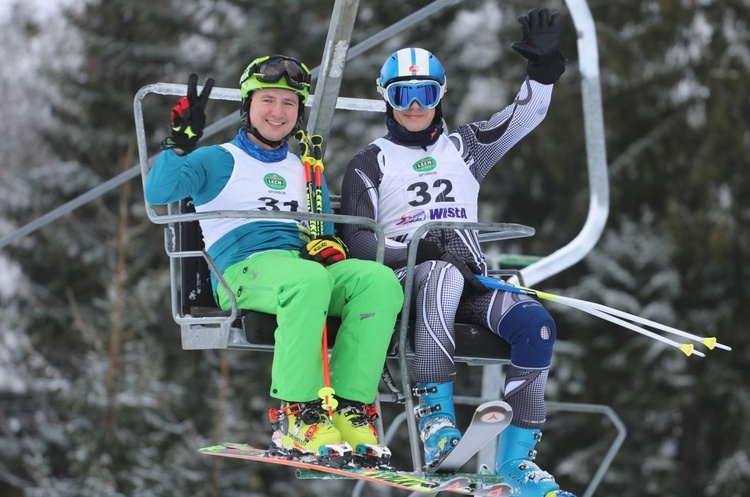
[378,282]
[386,285]
[531,332]
[311,280]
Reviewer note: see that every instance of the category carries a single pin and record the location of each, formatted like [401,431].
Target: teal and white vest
[255,185]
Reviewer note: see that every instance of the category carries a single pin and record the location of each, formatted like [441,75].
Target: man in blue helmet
[272,266]
[418,173]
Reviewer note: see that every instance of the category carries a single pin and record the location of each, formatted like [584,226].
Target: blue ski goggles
[401,94]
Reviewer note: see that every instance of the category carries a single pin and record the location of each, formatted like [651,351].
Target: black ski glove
[540,45]
[428,251]
[431,251]
[188,117]
[469,270]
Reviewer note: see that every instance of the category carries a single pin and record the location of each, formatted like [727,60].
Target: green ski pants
[367,297]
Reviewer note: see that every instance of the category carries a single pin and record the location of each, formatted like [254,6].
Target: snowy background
[96,396]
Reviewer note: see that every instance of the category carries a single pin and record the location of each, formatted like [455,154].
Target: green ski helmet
[274,71]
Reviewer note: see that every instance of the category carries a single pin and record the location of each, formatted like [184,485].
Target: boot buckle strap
[423,391]
[422,411]
[371,413]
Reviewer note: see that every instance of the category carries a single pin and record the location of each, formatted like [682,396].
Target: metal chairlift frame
[213,329]
[222,334]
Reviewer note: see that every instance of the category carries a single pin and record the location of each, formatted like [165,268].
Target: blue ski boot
[437,420]
[515,456]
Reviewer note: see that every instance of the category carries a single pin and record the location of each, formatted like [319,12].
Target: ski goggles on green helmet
[401,94]
[271,69]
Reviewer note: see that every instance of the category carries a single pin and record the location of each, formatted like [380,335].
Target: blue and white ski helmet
[411,63]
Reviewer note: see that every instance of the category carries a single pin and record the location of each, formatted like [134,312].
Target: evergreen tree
[671,76]
[107,414]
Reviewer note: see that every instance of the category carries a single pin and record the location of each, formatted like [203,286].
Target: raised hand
[188,117]
[540,45]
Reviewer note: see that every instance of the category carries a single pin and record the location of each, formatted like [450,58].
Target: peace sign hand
[188,117]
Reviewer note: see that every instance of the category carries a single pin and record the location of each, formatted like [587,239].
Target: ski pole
[687,348]
[709,342]
[307,160]
[317,152]
[326,394]
[608,314]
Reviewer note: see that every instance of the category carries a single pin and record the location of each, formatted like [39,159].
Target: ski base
[310,465]
[477,484]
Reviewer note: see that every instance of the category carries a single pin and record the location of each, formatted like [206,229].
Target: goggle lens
[401,94]
[272,70]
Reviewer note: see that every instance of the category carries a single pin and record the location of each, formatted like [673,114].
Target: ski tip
[495,416]
[490,404]
[211,449]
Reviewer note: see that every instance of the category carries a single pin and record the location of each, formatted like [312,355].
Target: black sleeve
[359,197]
[483,143]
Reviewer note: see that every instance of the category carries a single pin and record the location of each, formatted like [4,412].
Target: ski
[481,484]
[484,485]
[399,479]
[488,421]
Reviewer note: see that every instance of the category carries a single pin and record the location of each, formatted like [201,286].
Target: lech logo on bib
[275,181]
[424,165]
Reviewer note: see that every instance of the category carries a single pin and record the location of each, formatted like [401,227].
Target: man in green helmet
[273,266]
